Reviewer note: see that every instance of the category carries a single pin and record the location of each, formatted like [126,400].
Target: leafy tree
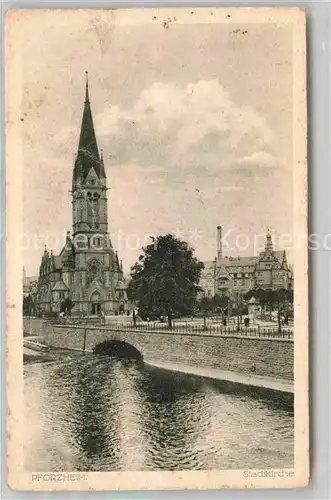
[29,307]
[164,281]
[264,297]
[273,299]
[66,306]
[205,307]
[220,303]
[280,299]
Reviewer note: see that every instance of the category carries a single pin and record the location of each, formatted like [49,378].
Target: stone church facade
[87,270]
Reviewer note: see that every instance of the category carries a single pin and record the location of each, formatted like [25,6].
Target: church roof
[237,262]
[67,252]
[88,153]
[280,255]
[57,262]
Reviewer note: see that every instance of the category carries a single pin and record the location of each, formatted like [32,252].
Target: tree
[66,306]
[221,306]
[164,281]
[220,303]
[29,307]
[278,299]
[205,307]
[263,296]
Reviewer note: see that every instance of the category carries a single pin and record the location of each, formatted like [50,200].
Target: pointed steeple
[88,153]
[87,97]
[117,261]
[102,166]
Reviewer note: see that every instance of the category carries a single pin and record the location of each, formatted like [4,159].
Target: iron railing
[186,328]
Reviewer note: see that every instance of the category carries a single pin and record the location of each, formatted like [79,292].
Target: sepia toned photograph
[157,318]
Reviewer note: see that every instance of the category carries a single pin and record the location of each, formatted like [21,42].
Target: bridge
[262,361]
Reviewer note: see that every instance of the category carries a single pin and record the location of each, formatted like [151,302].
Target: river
[94,413]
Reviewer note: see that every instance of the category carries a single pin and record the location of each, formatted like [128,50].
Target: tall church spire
[102,166]
[87,97]
[88,153]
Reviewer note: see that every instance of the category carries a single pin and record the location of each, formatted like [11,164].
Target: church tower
[96,272]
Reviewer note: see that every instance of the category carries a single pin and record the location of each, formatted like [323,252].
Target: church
[87,271]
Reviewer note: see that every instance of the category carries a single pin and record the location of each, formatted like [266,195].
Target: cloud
[258,164]
[261,159]
[174,125]
[194,129]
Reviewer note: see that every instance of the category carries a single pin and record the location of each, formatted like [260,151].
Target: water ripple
[95,413]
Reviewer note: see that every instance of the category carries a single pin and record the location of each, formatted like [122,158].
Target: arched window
[92,207]
[95,207]
[95,297]
[95,303]
[94,271]
[82,210]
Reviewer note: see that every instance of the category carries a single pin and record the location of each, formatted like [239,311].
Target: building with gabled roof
[237,275]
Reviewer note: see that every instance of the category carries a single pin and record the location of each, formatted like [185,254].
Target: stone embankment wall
[266,357]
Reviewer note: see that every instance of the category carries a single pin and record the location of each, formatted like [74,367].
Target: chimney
[219,242]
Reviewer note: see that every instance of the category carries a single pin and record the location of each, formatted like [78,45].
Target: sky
[195,123]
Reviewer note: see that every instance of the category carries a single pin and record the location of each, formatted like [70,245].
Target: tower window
[92,207]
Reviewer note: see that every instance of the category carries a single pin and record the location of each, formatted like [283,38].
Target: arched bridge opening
[118,349]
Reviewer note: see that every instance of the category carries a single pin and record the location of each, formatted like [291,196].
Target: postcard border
[19,479]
